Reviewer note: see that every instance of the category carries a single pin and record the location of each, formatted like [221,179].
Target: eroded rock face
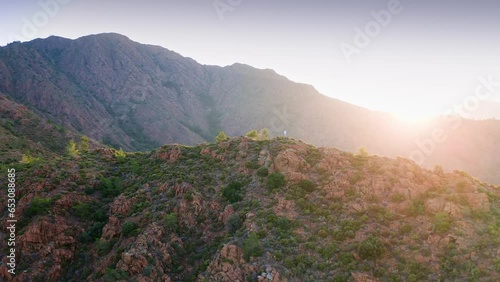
[229,265]
[120,206]
[170,155]
[478,201]
[224,215]
[291,163]
[50,237]
[112,228]
[147,249]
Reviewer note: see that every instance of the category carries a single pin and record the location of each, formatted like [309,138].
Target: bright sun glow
[416,117]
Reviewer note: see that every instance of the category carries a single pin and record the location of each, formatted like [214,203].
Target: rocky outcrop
[291,163]
[121,206]
[50,238]
[224,215]
[229,265]
[147,249]
[112,228]
[170,155]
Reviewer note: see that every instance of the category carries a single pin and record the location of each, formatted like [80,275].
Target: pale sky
[423,60]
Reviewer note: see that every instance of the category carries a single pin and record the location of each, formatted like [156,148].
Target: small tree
[264,134]
[120,156]
[84,146]
[221,137]
[252,134]
[28,159]
[251,247]
[71,149]
[362,152]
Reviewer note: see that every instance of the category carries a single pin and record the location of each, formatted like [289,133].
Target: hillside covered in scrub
[250,210]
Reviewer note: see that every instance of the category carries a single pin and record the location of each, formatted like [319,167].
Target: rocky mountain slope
[24,133]
[139,97]
[246,210]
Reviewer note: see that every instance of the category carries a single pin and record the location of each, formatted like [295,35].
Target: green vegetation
[442,222]
[38,206]
[234,223]
[170,221]
[89,211]
[28,159]
[104,247]
[110,187]
[255,135]
[84,144]
[307,185]
[251,247]
[129,229]
[275,181]
[115,275]
[232,192]
[221,137]
[71,149]
[263,172]
[371,248]
[120,156]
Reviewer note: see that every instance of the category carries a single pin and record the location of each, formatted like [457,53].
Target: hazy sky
[422,60]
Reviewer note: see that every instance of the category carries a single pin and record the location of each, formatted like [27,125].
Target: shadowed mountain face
[139,96]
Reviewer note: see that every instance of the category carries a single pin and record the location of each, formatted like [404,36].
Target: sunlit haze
[421,61]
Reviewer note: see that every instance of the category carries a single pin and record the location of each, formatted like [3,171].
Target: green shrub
[405,229]
[251,247]
[104,247]
[89,211]
[115,275]
[93,233]
[275,181]
[38,206]
[253,134]
[417,207]
[371,248]
[263,172]
[441,222]
[397,198]
[129,228]
[232,192]
[307,185]
[120,155]
[234,223]
[322,233]
[170,221]
[110,188]
[252,165]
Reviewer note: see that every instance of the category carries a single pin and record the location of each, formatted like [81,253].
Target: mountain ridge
[138,97]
